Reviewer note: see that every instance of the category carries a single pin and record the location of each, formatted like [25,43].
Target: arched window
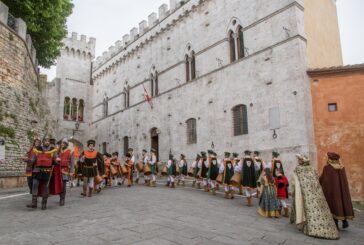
[156,89]
[74,109]
[191,131]
[67,108]
[187,63]
[240,120]
[190,63]
[152,85]
[126,144]
[105,111]
[193,66]
[128,97]
[232,46]
[240,42]
[81,106]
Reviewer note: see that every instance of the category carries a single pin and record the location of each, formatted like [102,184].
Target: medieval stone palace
[224,74]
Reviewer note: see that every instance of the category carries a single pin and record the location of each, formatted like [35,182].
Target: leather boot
[167,184]
[172,185]
[137,181]
[33,204]
[44,202]
[183,183]
[61,199]
[231,194]
[84,193]
[345,224]
[226,195]
[90,192]
[194,184]
[285,212]
[249,201]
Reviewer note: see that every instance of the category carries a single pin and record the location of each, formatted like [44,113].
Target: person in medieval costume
[258,164]
[282,184]
[130,166]
[268,202]
[196,169]
[310,211]
[235,160]
[171,168]
[132,160]
[93,165]
[52,143]
[153,167]
[276,164]
[145,160]
[46,177]
[336,190]
[213,172]
[67,167]
[204,171]
[29,163]
[115,162]
[183,168]
[227,171]
[248,177]
[107,162]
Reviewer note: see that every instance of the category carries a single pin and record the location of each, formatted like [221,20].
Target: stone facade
[340,130]
[20,99]
[268,77]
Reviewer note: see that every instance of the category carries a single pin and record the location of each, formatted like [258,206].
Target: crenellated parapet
[167,18]
[19,27]
[79,47]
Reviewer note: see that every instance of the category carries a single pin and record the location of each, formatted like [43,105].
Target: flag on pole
[147,97]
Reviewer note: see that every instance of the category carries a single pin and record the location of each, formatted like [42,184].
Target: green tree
[46,23]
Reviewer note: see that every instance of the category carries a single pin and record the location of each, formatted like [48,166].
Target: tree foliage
[46,24]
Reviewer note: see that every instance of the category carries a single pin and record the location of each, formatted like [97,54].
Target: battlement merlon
[80,44]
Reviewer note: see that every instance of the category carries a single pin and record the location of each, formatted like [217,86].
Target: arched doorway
[154,136]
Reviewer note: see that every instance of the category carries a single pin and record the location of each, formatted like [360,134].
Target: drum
[235,180]
[177,170]
[165,170]
[98,179]
[123,171]
[140,166]
[219,178]
[113,171]
[147,171]
[191,172]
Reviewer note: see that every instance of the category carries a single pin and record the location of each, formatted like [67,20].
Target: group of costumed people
[318,203]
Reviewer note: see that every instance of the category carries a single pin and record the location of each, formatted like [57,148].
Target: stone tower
[69,93]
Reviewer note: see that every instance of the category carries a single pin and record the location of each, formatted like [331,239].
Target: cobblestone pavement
[144,215]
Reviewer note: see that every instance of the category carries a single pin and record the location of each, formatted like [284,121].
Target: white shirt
[194,164]
[146,159]
[181,163]
[132,159]
[169,163]
[267,165]
[153,160]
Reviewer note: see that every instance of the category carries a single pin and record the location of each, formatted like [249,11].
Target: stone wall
[20,100]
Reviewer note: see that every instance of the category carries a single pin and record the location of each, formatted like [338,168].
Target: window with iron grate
[240,120]
[191,131]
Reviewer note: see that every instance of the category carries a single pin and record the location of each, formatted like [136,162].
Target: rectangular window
[104,147]
[332,107]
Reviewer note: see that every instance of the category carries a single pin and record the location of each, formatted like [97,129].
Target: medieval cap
[227,154]
[144,150]
[203,153]
[52,141]
[198,156]
[257,153]
[91,142]
[107,155]
[210,152]
[247,152]
[183,156]
[275,154]
[303,158]
[214,154]
[128,155]
[333,156]
[115,153]
[130,149]
[235,154]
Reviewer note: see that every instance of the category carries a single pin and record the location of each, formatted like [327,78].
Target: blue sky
[109,20]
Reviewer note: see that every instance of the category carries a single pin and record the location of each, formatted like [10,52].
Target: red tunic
[282,188]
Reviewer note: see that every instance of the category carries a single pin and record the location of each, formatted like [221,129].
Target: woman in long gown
[310,211]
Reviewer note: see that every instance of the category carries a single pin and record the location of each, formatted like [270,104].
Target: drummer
[153,167]
[116,163]
[107,164]
[144,160]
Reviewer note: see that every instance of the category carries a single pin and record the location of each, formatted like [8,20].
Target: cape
[336,189]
